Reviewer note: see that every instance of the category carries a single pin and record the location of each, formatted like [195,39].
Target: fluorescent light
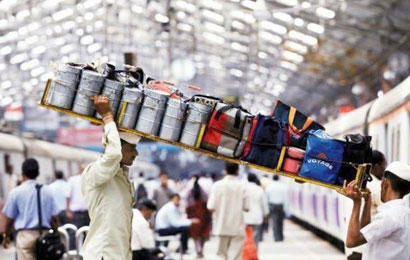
[59,41]
[239,47]
[292,56]
[277,89]
[31,64]
[87,40]
[298,22]
[244,16]
[90,3]
[89,16]
[2,66]
[161,18]
[283,77]
[213,16]
[181,15]
[284,17]
[268,25]
[238,25]
[213,38]
[6,84]
[303,37]
[137,9]
[306,5]
[3,23]
[254,4]
[20,16]
[325,13]
[32,39]
[46,76]
[61,15]
[212,4]
[19,58]
[215,65]
[262,55]
[183,5]
[236,72]
[317,28]
[184,27]
[288,65]
[38,50]
[94,47]
[288,2]
[68,25]
[214,27]
[270,37]
[5,50]
[296,47]
[37,71]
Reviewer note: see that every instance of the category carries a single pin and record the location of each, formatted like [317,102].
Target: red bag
[250,137]
[250,252]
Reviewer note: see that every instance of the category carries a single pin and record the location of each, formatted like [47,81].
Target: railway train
[387,120]
[51,157]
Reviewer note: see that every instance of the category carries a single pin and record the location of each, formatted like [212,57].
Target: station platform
[299,244]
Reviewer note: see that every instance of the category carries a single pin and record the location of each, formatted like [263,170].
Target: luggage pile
[287,141]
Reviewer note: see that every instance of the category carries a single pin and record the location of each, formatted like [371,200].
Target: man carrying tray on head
[108,192]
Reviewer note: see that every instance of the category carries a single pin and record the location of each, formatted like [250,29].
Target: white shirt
[258,205]
[170,216]
[276,192]
[59,189]
[206,184]
[110,196]
[77,202]
[228,199]
[142,236]
[388,234]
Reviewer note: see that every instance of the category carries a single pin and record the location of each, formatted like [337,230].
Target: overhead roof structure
[308,53]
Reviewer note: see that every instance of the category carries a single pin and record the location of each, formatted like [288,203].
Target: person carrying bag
[48,245]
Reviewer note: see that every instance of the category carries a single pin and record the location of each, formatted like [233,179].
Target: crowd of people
[126,219]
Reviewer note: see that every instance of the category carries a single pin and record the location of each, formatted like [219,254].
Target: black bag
[269,137]
[358,150]
[49,245]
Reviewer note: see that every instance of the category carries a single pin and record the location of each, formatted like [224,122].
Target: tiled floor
[299,244]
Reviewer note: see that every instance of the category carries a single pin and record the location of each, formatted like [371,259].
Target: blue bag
[323,157]
[270,135]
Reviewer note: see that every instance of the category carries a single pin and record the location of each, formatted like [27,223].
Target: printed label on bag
[319,159]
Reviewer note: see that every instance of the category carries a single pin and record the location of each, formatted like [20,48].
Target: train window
[395,144]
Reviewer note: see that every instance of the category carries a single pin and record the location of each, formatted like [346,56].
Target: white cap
[400,169]
[129,138]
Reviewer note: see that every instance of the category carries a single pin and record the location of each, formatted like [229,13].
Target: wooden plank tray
[359,176]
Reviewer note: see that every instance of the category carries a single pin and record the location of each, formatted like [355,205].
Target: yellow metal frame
[360,172]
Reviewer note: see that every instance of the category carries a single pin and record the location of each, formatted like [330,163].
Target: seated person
[142,237]
[170,221]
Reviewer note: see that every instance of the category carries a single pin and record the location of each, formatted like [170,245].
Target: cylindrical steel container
[152,111]
[172,123]
[129,107]
[198,114]
[64,86]
[90,85]
[113,90]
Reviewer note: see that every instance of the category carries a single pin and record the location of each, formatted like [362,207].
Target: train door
[397,135]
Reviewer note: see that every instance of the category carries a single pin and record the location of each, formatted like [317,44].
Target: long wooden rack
[360,172]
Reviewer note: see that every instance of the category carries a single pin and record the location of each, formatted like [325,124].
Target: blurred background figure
[142,237]
[76,209]
[258,208]
[21,211]
[163,192]
[277,199]
[196,208]
[205,182]
[228,200]
[59,189]
[169,221]
[141,191]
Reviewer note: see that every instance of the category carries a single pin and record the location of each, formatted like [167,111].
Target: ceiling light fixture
[214,27]
[161,18]
[317,28]
[310,40]
[288,65]
[213,16]
[268,25]
[296,47]
[211,37]
[325,13]
[298,22]
[270,37]
[292,56]
[284,17]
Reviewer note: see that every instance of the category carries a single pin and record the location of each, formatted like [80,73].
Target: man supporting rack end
[109,193]
[387,234]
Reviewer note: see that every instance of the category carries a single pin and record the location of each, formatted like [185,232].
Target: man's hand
[69,214]
[195,220]
[6,241]
[351,190]
[102,106]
